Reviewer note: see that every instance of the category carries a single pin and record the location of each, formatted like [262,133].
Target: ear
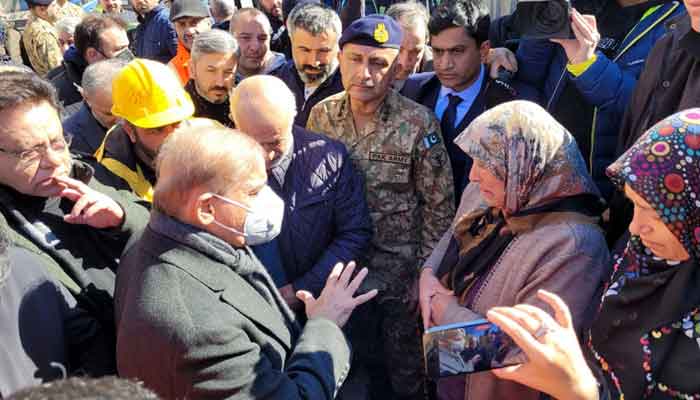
[130,131]
[484,50]
[204,209]
[92,55]
[191,68]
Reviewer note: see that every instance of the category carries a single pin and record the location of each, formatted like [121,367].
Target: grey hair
[315,19]
[67,25]
[222,9]
[409,14]
[99,76]
[213,41]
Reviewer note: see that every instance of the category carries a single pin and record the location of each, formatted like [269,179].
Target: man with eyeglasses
[54,205]
[96,38]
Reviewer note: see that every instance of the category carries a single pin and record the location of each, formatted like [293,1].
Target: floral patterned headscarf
[525,147]
[663,167]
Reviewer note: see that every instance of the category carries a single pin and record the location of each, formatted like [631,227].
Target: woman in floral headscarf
[645,343]
[527,221]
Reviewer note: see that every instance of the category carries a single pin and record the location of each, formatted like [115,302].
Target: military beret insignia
[381,35]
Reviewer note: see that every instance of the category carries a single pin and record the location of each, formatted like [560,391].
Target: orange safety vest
[180,62]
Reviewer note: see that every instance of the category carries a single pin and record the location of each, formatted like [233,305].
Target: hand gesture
[587,37]
[557,366]
[501,57]
[91,207]
[336,301]
[428,287]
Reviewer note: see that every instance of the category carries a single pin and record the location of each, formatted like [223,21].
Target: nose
[364,72]
[638,227]
[473,174]
[51,159]
[220,80]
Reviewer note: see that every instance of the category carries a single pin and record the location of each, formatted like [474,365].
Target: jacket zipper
[617,57]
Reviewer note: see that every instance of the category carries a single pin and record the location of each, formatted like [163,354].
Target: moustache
[218,88]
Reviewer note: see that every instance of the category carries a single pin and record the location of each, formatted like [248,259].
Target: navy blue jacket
[156,38]
[67,75]
[326,218]
[424,88]
[607,84]
[288,73]
[87,133]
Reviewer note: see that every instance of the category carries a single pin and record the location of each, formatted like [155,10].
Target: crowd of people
[209,200]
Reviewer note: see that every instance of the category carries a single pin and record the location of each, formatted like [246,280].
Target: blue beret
[373,30]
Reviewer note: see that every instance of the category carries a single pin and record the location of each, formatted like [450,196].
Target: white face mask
[264,219]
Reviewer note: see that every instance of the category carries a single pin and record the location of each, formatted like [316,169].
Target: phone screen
[469,347]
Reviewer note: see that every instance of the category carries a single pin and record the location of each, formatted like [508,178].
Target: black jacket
[66,76]
[87,133]
[203,108]
[666,86]
[424,88]
[42,328]
[288,73]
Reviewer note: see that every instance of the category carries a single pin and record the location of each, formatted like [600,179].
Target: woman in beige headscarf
[527,221]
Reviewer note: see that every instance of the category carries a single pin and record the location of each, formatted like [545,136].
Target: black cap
[373,30]
[188,8]
[39,2]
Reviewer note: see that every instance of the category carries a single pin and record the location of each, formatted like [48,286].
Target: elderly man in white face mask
[197,314]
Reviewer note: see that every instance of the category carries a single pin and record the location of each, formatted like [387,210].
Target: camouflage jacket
[41,42]
[408,179]
[67,10]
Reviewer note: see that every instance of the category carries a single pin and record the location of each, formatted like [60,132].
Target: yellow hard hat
[149,95]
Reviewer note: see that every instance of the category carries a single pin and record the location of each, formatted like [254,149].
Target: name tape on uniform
[390,158]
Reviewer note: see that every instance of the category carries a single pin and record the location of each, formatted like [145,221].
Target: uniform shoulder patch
[431,140]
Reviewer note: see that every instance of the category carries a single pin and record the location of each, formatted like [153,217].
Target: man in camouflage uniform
[397,144]
[64,8]
[40,39]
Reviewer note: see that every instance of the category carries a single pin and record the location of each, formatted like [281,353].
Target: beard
[315,75]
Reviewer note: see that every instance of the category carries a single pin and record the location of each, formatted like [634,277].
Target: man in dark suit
[90,123]
[197,314]
[326,219]
[460,88]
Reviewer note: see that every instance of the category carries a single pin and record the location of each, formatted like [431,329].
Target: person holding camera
[586,82]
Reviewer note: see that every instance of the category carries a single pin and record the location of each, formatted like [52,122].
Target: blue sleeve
[534,58]
[168,40]
[605,84]
[353,227]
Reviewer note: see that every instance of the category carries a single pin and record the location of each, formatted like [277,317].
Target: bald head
[264,108]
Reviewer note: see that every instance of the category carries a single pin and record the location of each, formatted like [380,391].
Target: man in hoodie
[97,38]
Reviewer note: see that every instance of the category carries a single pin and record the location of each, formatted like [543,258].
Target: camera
[543,19]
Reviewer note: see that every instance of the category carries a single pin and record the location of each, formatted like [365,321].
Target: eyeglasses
[33,155]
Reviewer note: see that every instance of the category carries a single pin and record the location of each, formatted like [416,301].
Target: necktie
[447,124]
[457,156]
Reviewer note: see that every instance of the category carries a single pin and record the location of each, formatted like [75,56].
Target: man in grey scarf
[197,314]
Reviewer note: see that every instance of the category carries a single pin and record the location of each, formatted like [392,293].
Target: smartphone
[468,347]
